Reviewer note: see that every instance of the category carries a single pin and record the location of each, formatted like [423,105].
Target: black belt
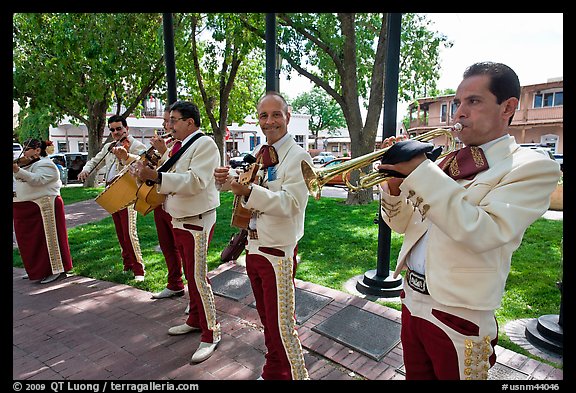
[193,217]
[417,282]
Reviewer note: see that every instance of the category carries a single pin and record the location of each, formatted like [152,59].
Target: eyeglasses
[173,120]
[112,129]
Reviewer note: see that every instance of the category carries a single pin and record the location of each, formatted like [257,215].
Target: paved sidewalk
[82,328]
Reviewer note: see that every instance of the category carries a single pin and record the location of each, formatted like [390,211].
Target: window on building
[254,141]
[453,109]
[542,100]
[559,98]
[62,147]
[443,112]
[82,147]
[299,140]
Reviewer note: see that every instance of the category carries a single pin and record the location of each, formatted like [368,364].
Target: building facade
[68,137]
[538,119]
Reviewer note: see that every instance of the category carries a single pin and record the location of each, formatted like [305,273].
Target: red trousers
[188,237]
[169,249]
[31,237]
[125,224]
[445,343]
[271,275]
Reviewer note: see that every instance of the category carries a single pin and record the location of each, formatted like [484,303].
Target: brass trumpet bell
[315,178]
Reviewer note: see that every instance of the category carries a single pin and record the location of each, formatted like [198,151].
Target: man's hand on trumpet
[392,184]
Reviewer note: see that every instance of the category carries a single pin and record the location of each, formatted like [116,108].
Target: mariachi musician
[277,201]
[125,149]
[166,145]
[38,211]
[191,200]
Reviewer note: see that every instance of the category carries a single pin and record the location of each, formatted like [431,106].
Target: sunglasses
[112,129]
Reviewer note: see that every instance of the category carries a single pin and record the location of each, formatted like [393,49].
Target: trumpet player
[462,220]
[163,220]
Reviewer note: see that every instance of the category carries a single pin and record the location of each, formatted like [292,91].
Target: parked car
[336,180]
[16,150]
[323,157]
[75,164]
[61,162]
[560,160]
[236,162]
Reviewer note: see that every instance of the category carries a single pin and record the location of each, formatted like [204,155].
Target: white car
[16,150]
[323,157]
[236,162]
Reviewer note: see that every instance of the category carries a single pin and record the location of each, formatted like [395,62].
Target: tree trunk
[95,124]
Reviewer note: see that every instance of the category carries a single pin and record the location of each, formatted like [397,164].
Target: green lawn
[340,242]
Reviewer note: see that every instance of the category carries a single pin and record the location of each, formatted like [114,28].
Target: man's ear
[510,106]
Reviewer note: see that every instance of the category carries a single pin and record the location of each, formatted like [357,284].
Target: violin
[118,142]
[25,161]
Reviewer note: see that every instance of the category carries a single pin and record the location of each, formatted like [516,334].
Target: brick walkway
[81,328]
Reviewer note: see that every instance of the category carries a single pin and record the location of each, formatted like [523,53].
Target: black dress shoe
[52,278]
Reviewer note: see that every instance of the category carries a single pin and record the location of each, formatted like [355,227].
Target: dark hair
[115,118]
[35,144]
[504,82]
[188,110]
[275,94]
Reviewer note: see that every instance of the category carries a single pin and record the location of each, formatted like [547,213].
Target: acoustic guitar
[240,215]
[147,196]
[148,199]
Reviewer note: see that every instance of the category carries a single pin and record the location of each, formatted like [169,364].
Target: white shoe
[182,329]
[139,278]
[204,351]
[187,311]
[260,378]
[52,277]
[166,293]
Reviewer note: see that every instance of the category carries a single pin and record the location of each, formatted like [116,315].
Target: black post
[168,27]
[270,35]
[379,282]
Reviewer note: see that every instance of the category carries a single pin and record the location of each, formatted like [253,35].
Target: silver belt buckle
[417,282]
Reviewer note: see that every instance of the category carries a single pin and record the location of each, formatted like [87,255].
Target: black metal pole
[270,35]
[379,282]
[168,27]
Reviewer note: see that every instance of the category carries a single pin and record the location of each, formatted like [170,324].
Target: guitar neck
[250,175]
[151,156]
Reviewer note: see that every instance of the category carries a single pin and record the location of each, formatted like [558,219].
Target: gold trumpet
[315,179]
